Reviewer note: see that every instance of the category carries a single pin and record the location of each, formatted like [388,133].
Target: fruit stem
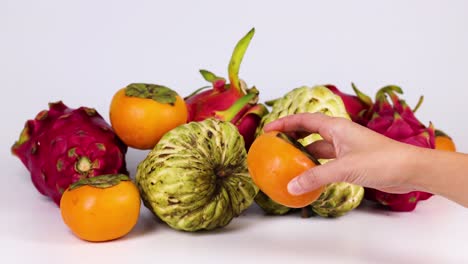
[196,92]
[83,165]
[258,109]
[209,76]
[234,109]
[236,60]
[420,101]
[389,89]
[362,96]
[24,136]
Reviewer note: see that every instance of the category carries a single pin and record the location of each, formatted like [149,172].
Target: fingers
[297,134]
[321,150]
[316,177]
[305,122]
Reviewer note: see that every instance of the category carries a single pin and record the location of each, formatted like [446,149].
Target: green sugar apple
[196,177]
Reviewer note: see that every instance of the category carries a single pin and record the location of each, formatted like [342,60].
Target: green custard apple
[196,177]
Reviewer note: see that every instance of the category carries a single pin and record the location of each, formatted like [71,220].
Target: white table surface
[81,52]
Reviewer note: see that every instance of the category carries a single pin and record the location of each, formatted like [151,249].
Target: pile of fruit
[209,158]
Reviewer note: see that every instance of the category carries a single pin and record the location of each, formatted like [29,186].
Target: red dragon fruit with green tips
[231,101]
[63,145]
[396,120]
[356,105]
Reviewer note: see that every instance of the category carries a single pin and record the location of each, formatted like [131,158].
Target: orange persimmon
[273,160]
[141,114]
[443,141]
[101,208]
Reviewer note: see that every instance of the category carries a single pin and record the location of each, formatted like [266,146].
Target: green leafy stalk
[233,110]
[390,89]
[209,76]
[362,96]
[196,92]
[420,101]
[258,109]
[236,59]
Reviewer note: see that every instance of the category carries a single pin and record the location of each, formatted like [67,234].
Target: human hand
[361,156]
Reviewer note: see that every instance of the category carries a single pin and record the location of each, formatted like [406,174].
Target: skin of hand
[364,157]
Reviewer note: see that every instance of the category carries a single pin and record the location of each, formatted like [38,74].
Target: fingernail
[294,187]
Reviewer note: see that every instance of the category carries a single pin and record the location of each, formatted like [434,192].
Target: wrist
[439,172]
[418,165]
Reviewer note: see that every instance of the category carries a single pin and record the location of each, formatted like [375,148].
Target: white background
[82,52]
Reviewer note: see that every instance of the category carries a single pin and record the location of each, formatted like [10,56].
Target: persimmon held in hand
[141,114]
[274,160]
[443,141]
[101,208]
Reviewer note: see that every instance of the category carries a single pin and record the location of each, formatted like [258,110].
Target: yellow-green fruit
[196,177]
[338,199]
[269,206]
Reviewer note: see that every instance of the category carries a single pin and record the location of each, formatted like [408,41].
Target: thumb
[314,178]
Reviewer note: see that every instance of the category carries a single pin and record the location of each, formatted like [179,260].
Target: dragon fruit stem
[209,76]
[236,60]
[83,165]
[196,92]
[420,101]
[258,109]
[234,109]
[24,136]
[362,96]
[389,89]
[381,99]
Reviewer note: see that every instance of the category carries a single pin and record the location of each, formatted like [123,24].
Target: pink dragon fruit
[62,145]
[397,121]
[357,106]
[232,102]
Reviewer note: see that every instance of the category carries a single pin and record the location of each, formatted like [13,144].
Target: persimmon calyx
[101,181]
[297,145]
[158,93]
